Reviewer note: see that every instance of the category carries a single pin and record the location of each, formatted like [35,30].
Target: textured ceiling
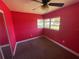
[27,6]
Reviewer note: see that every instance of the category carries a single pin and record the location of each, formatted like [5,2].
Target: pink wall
[9,25]
[25,25]
[69,29]
[3,35]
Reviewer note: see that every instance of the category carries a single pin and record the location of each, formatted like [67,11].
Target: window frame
[55,24]
[38,23]
[48,25]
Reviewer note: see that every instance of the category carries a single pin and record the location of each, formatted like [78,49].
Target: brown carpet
[0,56]
[40,48]
[7,52]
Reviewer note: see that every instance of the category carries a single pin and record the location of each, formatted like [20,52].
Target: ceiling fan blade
[42,7]
[56,4]
[36,8]
[37,1]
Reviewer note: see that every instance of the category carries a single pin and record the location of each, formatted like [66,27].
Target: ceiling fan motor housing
[45,2]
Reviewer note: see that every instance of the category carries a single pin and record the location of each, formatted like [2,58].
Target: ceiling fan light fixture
[44,6]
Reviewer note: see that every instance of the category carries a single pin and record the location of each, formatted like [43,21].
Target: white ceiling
[27,6]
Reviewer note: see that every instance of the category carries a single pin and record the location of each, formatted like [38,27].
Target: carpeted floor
[40,48]
[0,56]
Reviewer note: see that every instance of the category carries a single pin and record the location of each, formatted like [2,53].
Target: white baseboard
[28,39]
[14,50]
[1,53]
[2,46]
[66,48]
[6,45]
[17,44]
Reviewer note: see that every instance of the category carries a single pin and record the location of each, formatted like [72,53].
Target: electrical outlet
[63,41]
[31,35]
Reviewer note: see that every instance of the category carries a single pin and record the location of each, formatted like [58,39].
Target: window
[46,23]
[55,23]
[39,23]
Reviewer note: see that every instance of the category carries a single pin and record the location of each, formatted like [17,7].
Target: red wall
[3,35]
[9,25]
[69,29]
[25,25]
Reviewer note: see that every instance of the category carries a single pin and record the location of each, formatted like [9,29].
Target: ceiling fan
[46,4]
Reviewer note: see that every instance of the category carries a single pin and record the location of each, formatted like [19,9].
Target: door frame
[0,46]
[13,53]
